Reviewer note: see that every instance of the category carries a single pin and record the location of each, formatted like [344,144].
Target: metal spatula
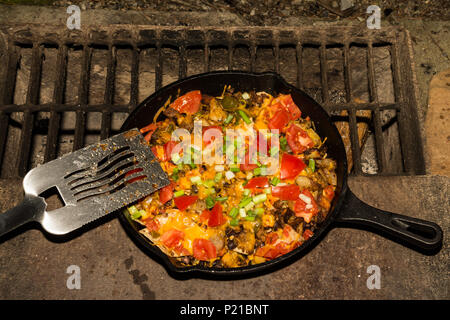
[92,182]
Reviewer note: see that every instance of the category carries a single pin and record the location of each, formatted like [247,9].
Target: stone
[436,125]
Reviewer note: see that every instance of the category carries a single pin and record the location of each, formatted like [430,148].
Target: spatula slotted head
[97,180]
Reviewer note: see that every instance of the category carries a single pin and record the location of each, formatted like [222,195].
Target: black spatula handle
[28,210]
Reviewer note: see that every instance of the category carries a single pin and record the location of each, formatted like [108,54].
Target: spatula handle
[28,210]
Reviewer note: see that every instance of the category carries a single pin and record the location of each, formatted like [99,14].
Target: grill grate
[363,78]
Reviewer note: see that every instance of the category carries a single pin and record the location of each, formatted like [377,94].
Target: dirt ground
[266,12]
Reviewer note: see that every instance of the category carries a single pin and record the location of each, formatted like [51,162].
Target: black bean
[231,244]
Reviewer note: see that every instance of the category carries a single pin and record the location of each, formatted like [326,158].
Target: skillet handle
[28,210]
[420,235]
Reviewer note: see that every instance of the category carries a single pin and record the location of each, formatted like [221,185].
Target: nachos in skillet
[240,210]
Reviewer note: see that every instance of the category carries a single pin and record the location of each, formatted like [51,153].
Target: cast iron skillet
[346,209]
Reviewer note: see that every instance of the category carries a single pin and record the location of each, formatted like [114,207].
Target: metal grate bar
[413,160]
[206,58]
[347,74]
[7,93]
[299,52]
[252,57]
[28,117]
[58,97]
[373,94]
[182,70]
[159,66]
[83,97]
[48,107]
[134,90]
[323,73]
[356,151]
[109,92]
[277,57]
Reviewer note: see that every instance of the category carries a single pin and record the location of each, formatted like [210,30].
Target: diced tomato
[307,234]
[204,249]
[204,216]
[301,210]
[287,230]
[288,192]
[216,217]
[152,225]
[247,166]
[262,141]
[270,252]
[168,149]
[280,118]
[207,140]
[183,202]
[166,193]
[172,238]
[328,192]
[271,238]
[289,104]
[258,182]
[298,139]
[291,166]
[188,103]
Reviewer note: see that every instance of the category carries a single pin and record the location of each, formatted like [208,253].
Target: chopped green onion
[175,170]
[251,213]
[245,202]
[175,158]
[235,169]
[221,199]
[249,206]
[228,119]
[267,191]
[275,181]
[242,213]
[234,212]
[218,177]
[274,150]
[246,192]
[259,211]
[175,176]
[245,96]
[179,167]
[244,117]
[193,165]
[312,165]
[136,215]
[260,198]
[196,180]
[234,222]
[132,210]
[209,183]
[250,218]
[257,171]
[210,202]
[178,193]
[283,143]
